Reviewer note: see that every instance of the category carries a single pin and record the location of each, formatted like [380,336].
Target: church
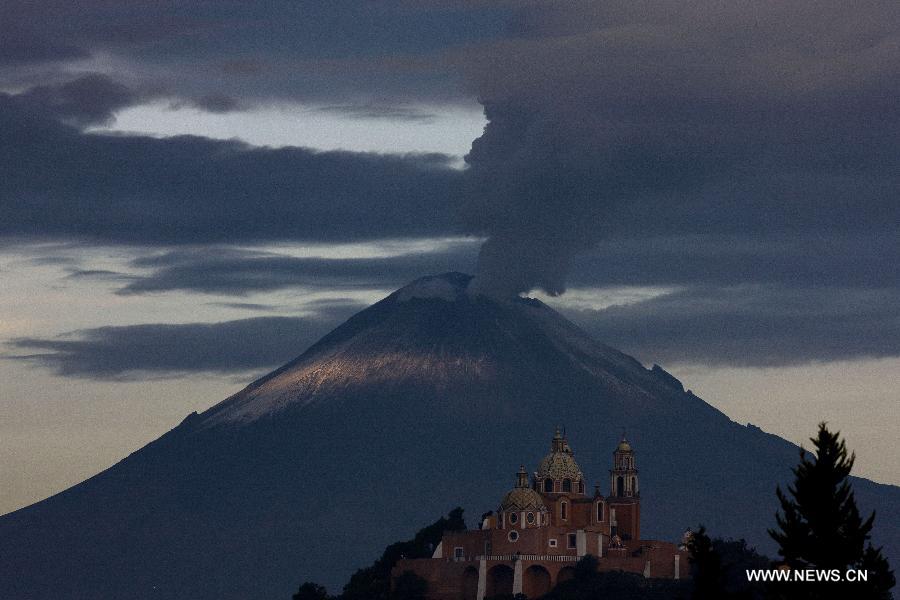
[542,527]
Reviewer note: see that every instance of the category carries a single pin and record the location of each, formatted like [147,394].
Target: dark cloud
[376,111]
[88,100]
[863,260]
[138,351]
[19,48]
[228,271]
[752,325]
[214,103]
[55,29]
[58,182]
[739,151]
[324,51]
[105,274]
[252,306]
[617,120]
[53,260]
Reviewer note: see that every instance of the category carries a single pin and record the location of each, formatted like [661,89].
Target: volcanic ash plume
[634,120]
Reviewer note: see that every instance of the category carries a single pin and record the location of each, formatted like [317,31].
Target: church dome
[623,446]
[560,463]
[521,499]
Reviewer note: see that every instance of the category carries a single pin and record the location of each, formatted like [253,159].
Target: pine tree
[820,527]
[706,567]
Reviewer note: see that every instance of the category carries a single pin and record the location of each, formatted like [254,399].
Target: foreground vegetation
[818,527]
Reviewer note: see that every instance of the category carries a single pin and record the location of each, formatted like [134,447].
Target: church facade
[542,527]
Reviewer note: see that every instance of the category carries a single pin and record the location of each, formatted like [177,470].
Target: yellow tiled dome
[560,463]
[624,446]
[520,498]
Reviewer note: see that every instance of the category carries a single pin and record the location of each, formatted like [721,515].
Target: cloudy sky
[192,193]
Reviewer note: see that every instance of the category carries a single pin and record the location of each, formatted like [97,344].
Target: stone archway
[469,587]
[565,574]
[536,581]
[499,581]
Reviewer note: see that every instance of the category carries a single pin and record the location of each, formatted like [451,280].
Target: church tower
[625,497]
[623,475]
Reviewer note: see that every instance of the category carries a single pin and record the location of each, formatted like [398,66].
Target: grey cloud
[612,120]
[23,49]
[376,111]
[54,260]
[224,271]
[60,183]
[752,325]
[214,103]
[160,350]
[338,50]
[848,259]
[251,306]
[86,100]
[104,274]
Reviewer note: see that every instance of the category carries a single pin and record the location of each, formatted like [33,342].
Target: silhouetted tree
[719,568]
[736,558]
[881,577]
[706,567]
[820,527]
[586,568]
[311,591]
[409,586]
[374,582]
[590,584]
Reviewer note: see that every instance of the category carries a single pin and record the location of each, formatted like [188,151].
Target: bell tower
[625,495]
[624,475]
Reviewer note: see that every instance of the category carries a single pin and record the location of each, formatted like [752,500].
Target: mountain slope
[425,400]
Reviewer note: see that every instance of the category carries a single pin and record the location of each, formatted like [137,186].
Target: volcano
[428,399]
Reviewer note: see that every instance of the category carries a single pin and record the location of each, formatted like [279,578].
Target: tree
[736,559]
[706,567]
[374,582]
[311,591]
[409,586]
[586,567]
[719,568]
[590,584]
[820,527]
[881,578]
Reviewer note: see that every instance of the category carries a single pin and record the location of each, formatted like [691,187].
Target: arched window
[513,518]
[580,487]
[548,485]
[564,510]
[620,486]
[634,485]
[530,518]
[599,511]
[567,485]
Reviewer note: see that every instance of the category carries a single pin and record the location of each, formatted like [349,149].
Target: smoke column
[633,120]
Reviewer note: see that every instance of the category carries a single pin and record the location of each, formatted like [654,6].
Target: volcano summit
[415,404]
